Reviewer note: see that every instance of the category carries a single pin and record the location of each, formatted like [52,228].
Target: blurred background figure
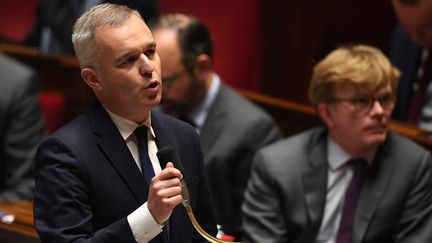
[342,182]
[231,128]
[410,52]
[22,127]
[54,19]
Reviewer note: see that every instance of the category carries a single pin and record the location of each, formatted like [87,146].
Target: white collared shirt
[141,222]
[199,115]
[339,175]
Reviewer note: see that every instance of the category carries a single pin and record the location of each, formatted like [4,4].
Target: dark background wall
[296,34]
[271,45]
[262,45]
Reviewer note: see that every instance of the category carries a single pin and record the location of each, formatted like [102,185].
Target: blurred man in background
[22,127]
[350,181]
[230,127]
[411,53]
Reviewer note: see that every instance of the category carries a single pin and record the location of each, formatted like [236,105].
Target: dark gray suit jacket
[406,56]
[233,131]
[22,127]
[286,195]
[87,181]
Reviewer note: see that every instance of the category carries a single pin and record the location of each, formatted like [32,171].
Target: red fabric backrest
[53,105]
[236,30]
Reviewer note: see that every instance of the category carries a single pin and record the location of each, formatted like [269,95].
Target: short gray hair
[85,27]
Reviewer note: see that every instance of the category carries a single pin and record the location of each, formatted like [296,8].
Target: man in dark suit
[231,128]
[410,49]
[352,181]
[94,179]
[22,127]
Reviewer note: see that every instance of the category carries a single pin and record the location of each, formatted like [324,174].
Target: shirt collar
[199,115]
[127,127]
[337,156]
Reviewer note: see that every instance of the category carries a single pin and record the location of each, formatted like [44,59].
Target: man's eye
[129,60]
[150,52]
[361,101]
[386,98]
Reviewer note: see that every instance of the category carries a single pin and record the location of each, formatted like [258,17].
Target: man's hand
[164,193]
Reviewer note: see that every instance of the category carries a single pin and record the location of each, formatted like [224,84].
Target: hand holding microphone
[166,155]
[164,193]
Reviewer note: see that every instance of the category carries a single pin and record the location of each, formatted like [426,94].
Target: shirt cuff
[143,225]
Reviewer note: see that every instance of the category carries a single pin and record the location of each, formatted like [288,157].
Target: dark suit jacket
[22,127]
[87,181]
[233,131]
[286,194]
[406,56]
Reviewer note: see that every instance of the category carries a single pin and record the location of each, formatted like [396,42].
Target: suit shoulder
[20,72]
[170,122]
[294,149]
[76,131]
[240,107]
[404,147]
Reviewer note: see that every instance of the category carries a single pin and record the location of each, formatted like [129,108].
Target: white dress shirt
[199,115]
[339,175]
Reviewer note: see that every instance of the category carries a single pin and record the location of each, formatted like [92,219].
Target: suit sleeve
[61,206]
[262,210]
[415,223]
[24,130]
[230,175]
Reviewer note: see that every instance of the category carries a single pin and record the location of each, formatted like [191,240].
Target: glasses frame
[365,103]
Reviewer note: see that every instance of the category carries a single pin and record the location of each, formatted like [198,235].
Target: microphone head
[169,154]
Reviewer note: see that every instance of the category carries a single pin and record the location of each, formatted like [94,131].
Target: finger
[169,192]
[161,184]
[172,201]
[169,165]
[168,173]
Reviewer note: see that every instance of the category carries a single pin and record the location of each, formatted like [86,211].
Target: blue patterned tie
[147,170]
[146,164]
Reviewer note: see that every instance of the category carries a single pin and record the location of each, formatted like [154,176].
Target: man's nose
[146,65]
[377,107]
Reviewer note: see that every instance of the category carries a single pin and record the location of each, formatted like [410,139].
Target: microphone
[169,154]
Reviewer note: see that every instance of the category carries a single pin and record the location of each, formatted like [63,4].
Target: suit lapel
[117,153]
[373,190]
[315,184]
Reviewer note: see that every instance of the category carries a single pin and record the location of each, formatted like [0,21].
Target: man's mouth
[152,84]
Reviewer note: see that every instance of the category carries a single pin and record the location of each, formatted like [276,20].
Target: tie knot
[141,132]
[359,164]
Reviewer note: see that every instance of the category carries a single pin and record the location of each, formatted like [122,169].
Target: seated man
[22,127]
[350,181]
[231,128]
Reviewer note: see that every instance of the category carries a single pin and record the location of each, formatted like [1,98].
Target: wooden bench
[61,74]
[21,230]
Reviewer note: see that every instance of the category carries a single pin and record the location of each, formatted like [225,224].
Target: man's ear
[91,78]
[203,66]
[325,113]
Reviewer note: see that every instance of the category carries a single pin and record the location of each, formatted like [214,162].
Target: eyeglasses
[171,79]
[365,103]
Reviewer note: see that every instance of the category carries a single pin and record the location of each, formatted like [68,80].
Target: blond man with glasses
[350,181]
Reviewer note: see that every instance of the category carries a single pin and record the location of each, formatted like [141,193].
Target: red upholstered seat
[52,105]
